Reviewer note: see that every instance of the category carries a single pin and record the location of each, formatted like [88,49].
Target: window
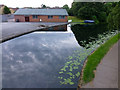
[61,17]
[50,17]
[35,16]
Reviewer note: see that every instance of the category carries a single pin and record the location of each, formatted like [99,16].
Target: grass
[96,57]
[75,19]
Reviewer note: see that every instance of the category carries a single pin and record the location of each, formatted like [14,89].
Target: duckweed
[72,68]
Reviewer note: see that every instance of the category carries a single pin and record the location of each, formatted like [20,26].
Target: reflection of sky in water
[34,60]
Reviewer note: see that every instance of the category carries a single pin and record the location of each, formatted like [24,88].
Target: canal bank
[12,29]
[106,73]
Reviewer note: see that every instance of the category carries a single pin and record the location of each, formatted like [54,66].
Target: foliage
[70,72]
[70,12]
[90,10]
[95,58]
[66,7]
[114,17]
[71,69]
[95,19]
[88,33]
[97,11]
[76,6]
[6,10]
[43,6]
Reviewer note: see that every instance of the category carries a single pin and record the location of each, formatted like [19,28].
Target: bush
[6,10]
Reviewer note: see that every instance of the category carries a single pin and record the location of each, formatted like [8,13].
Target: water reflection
[57,28]
[34,60]
[85,34]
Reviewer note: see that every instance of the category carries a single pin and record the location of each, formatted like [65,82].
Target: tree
[70,12]
[43,6]
[114,17]
[91,10]
[76,6]
[6,10]
[66,7]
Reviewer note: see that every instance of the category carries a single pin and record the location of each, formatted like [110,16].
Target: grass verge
[95,58]
[74,19]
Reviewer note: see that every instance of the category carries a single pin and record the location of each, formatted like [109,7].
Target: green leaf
[70,73]
[70,57]
[60,77]
[60,72]
[70,68]
[75,67]
[71,83]
[77,74]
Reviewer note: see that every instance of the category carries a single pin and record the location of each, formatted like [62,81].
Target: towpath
[106,75]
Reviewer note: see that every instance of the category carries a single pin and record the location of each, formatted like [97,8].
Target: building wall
[20,17]
[1,10]
[43,18]
[34,20]
[54,19]
[12,11]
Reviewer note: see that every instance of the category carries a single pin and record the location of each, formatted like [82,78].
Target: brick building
[41,15]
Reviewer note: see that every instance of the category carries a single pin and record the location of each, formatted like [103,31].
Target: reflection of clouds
[11,54]
[45,45]
[61,41]
[8,57]
[40,57]
[21,55]
[49,45]
[47,54]
[19,61]
[33,57]
[6,46]
[70,42]
[12,68]
[11,58]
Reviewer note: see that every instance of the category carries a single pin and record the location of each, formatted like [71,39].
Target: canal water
[47,59]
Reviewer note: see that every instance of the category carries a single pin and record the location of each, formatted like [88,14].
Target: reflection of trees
[87,33]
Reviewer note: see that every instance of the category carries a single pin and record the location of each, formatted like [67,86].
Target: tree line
[100,12]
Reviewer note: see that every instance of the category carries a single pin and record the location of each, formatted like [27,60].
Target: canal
[50,59]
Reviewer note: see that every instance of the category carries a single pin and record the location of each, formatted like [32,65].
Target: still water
[36,60]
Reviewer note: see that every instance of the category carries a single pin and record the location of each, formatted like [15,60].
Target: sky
[35,3]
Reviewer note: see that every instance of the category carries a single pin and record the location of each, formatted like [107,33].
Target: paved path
[106,75]
[12,29]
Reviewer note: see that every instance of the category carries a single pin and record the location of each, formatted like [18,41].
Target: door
[26,19]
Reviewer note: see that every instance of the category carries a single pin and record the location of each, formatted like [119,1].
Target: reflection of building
[57,28]
[41,15]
